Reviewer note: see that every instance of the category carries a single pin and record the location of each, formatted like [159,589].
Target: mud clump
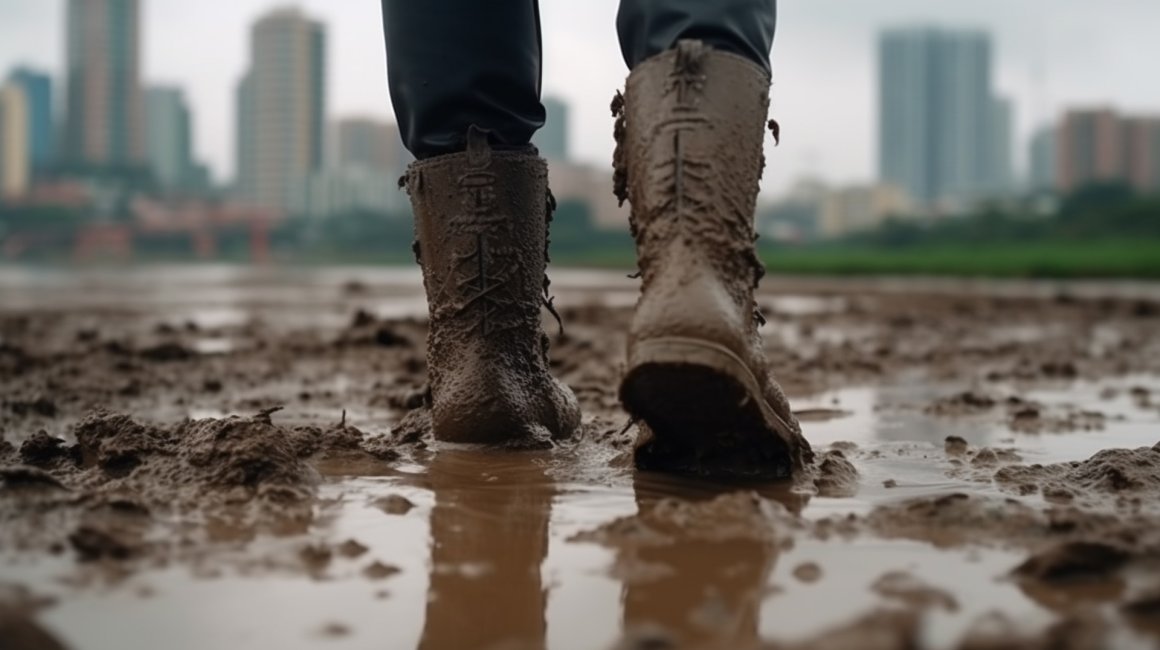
[1073,561]
[19,631]
[17,477]
[204,455]
[965,403]
[243,474]
[43,450]
[836,476]
[1032,418]
[366,329]
[93,543]
[955,446]
[908,589]
[808,572]
[378,571]
[1109,473]
[394,504]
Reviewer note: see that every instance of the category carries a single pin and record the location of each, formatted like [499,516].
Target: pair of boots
[689,135]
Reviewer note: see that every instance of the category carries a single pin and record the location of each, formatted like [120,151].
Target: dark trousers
[455,63]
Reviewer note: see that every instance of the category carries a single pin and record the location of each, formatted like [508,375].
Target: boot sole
[706,410]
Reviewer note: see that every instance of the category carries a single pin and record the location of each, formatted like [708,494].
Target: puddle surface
[452,547]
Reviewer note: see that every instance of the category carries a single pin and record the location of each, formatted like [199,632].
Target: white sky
[1050,54]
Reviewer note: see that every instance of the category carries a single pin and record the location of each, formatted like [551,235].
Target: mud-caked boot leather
[481,223]
[689,157]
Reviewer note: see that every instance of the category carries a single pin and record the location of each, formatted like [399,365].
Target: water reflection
[489,537]
[704,584]
[698,581]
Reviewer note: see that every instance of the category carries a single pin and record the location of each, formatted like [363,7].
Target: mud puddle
[987,477]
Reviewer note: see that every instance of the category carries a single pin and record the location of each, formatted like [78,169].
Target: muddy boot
[689,157]
[481,221]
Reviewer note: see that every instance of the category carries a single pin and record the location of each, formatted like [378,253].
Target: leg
[465,80]
[455,63]
[743,27]
[690,136]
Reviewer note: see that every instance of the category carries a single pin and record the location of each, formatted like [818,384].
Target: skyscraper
[365,160]
[1142,141]
[552,140]
[14,161]
[281,107]
[104,117]
[37,87]
[941,129]
[998,172]
[369,143]
[1102,146]
[169,137]
[1042,159]
[1090,149]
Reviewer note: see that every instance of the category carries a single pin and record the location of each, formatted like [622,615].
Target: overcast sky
[1049,54]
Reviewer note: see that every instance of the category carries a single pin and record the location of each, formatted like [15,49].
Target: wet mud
[250,465]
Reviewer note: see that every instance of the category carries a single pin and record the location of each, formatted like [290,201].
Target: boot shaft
[481,235]
[689,156]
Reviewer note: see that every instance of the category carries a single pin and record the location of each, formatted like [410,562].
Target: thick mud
[227,458]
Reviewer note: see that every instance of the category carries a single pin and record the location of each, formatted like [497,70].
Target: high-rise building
[281,108]
[14,160]
[1041,156]
[1090,149]
[1142,144]
[999,174]
[37,87]
[104,116]
[169,137]
[365,160]
[552,140]
[940,125]
[369,143]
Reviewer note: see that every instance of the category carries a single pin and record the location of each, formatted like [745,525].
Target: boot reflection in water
[487,545]
[465,83]
[706,559]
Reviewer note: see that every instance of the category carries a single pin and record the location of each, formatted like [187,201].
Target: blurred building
[369,158]
[1102,146]
[361,174]
[1142,143]
[797,216]
[281,108]
[37,87]
[104,117]
[14,159]
[944,137]
[592,186]
[169,137]
[370,143]
[1041,157]
[337,191]
[552,139]
[999,176]
[861,207]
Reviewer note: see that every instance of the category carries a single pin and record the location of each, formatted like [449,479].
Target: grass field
[1138,259]
[1096,259]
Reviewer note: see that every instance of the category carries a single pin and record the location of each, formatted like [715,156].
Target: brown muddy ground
[226,458]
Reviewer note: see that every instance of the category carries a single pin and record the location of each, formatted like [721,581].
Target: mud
[255,456]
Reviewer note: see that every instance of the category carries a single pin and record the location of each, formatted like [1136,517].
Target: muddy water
[961,501]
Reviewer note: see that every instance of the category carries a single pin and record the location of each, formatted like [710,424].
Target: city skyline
[943,133]
[104,111]
[281,108]
[823,67]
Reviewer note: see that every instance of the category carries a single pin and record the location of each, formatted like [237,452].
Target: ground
[226,457]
